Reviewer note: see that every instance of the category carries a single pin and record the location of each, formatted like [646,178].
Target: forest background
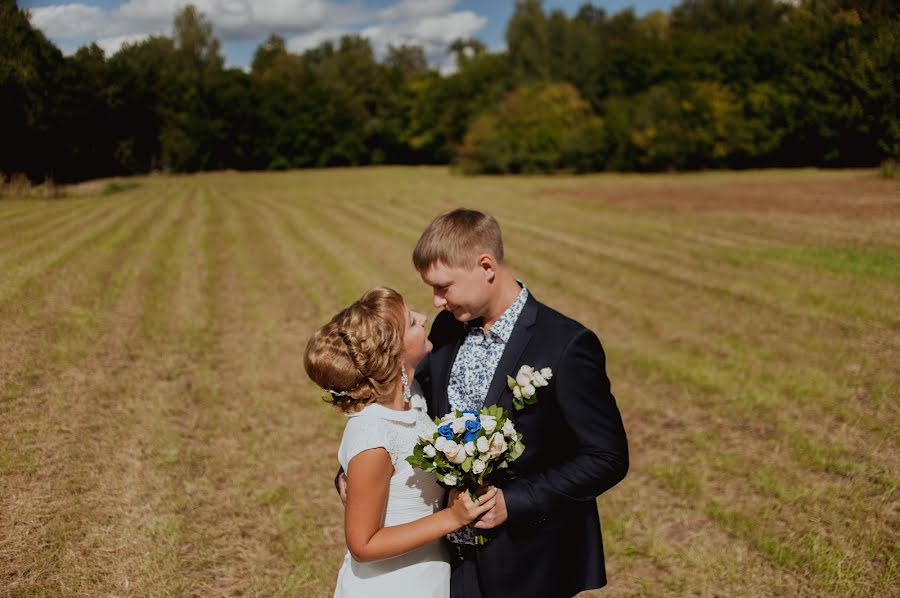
[710,84]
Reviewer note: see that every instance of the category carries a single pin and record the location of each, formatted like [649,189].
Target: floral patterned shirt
[474,367]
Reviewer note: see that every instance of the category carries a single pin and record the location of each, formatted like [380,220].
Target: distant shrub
[19,186]
[890,168]
[118,187]
[695,125]
[537,128]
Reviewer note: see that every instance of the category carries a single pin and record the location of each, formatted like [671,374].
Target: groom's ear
[488,266]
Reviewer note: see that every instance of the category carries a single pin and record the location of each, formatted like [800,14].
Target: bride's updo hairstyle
[356,356]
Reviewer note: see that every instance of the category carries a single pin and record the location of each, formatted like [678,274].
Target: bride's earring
[404,380]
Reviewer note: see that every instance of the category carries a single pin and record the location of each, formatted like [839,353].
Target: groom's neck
[506,290]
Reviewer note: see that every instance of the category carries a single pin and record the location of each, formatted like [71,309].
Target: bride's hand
[465,510]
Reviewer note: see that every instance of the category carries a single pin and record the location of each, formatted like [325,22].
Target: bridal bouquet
[468,447]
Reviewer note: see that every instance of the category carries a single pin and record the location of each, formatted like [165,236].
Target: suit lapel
[518,340]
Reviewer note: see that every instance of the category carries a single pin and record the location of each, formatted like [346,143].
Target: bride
[393,523]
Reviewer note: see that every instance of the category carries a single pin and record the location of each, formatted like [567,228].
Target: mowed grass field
[158,436]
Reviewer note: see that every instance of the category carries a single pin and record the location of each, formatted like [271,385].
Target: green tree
[528,40]
[29,66]
[197,49]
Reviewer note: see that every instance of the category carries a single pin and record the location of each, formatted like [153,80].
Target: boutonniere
[524,386]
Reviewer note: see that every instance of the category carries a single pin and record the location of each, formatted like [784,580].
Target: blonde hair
[356,356]
[457,238]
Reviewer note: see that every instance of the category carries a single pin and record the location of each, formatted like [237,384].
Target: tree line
[709,84]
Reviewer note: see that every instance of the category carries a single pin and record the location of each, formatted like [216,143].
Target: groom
[546,530]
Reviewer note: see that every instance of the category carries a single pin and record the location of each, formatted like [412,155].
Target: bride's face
[415,339]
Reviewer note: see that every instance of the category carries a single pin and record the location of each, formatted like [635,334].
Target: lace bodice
[378,426]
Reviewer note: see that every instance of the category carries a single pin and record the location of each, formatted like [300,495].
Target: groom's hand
[340,483]
[496,516]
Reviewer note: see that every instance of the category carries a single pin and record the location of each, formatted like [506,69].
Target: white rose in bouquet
[488,423]
[450,479]
[459,425]
[498,445]
[455,452]
[509,429]
[482,444]
[429,451]
[470,448]
[478,466]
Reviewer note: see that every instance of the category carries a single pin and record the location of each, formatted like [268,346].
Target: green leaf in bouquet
[502,465]
[497,411]
[516,450]
[467,464]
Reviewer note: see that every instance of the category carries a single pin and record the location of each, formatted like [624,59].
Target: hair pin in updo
[341,393]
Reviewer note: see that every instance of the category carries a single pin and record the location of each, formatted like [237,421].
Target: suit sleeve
[589,411]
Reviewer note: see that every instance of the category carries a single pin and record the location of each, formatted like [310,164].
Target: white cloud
[301,43]
[406,10]
[232,19]
[449,27]
[434,33]
[69,20]
[111,45]
[433,24]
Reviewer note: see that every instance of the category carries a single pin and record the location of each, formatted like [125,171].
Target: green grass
[153,404]
[883,263]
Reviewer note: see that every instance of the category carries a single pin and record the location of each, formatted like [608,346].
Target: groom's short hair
[457,238]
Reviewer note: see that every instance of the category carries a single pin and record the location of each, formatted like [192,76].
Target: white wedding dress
[413,494]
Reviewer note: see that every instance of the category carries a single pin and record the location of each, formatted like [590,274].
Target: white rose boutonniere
[524,386]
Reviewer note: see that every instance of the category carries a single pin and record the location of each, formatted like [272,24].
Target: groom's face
[464,292]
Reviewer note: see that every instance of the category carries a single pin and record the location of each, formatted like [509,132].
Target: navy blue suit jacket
[575,449]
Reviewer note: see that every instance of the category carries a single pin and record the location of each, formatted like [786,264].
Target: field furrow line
[262,342]
[67,489]
[56,310]
[349,272]
[31,212]
[672,444]
[43,219]
[17,281]
[287,250]
[33,244]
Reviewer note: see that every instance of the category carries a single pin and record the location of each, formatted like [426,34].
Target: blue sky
[242,24]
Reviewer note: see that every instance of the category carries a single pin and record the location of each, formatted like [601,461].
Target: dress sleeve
[361,434]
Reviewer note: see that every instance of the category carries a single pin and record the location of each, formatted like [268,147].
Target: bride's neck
[395,400]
